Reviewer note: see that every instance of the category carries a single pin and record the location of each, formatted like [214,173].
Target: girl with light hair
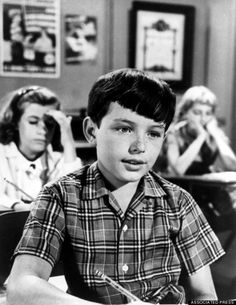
[196,144]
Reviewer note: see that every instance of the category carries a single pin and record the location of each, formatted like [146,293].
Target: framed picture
[161,41]
[80,39]
[30,38]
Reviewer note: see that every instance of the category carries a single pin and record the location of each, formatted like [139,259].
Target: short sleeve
[43,233]
[197,245]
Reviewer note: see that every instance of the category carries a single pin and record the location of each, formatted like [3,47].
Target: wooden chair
[11,228]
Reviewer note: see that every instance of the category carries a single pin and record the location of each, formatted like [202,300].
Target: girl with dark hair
[28,121]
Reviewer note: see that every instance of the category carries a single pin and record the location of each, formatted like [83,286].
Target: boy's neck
[125,194]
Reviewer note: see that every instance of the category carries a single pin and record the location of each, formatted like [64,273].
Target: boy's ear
[89,128]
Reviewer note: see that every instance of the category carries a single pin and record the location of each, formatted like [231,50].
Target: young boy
[117,216]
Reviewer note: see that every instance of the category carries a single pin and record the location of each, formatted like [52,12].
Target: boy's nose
[138,146]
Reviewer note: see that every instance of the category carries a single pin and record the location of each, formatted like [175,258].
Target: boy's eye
[124,129]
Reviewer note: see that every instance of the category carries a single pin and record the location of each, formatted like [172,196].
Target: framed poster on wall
[30,38]
[161,41]
[80,39]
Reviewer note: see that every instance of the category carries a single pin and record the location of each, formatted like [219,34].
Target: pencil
[19,189]
[117,286]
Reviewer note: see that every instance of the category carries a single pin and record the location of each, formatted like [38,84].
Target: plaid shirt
[144,249]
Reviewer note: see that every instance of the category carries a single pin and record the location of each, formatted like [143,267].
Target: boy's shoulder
[172,191]
[87,176]
[78,176]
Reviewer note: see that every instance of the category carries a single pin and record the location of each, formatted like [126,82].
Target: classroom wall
[213,56]
[214,47]
[221,54]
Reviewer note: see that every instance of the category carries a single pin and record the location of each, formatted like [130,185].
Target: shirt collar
[94,186]
[13,152]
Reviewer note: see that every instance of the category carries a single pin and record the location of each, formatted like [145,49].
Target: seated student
[117,216]
[196,144]
[27,161]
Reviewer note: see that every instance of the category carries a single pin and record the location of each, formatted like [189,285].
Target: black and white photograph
[117,152]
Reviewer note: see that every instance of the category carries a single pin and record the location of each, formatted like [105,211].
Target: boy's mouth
[133,161]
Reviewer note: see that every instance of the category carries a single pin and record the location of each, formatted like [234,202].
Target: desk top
[4,209]
[212,178]
[83,144]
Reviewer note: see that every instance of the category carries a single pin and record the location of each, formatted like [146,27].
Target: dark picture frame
[161,41]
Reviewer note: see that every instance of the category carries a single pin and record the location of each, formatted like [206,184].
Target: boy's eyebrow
[156,124]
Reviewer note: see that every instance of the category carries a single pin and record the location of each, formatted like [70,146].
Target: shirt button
[125,228]
[125,268]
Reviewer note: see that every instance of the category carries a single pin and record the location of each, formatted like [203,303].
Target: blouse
[21,179]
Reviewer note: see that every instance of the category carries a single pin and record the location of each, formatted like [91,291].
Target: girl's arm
[12,202]
[180,163]
[7,203]
[67,140]
[226,154]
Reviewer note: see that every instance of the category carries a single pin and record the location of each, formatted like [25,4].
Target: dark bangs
[134,90]
[153,106]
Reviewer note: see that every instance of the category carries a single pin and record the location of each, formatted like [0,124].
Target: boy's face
[128,145]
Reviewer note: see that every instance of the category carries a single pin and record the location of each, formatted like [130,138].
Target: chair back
[11,228]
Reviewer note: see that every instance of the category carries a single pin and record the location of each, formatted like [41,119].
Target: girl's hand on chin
[195,128]
[212,126]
